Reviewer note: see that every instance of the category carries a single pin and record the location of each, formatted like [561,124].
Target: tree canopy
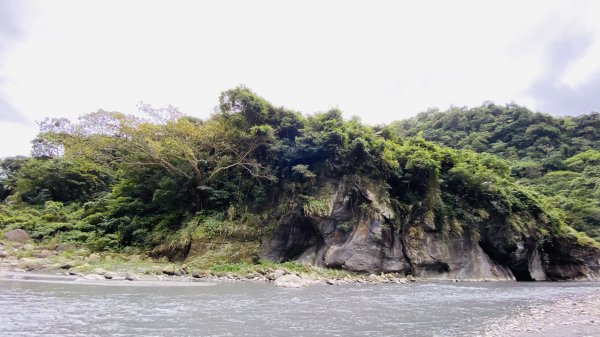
[121,180]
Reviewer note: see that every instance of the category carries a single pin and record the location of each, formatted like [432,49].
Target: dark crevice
[403,233]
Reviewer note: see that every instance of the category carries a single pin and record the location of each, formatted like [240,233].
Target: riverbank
[81,263]
[576,316]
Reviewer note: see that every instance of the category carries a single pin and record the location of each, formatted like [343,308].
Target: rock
[17,235]
[94,258]
[290,281]
[375,278]
[110,275]
[131,277]
[330,282]
[93,277]
[99,271]
[169,270]
[44,253]
[374,243]
[61,247]
[278,273]
[169,253]
[202,274]
[30,264]
[28,247]
[3,254]
[65,265]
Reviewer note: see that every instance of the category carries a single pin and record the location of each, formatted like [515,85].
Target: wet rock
[17,235]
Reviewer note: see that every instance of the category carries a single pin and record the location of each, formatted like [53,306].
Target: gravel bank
[576,316]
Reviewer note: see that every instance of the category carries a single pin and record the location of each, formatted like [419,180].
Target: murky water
[244,309]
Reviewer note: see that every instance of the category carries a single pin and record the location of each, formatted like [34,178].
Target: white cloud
[379,60]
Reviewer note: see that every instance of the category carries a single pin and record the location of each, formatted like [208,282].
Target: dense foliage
[558,157]
[116,181]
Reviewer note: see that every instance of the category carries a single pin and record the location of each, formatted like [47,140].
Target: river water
[248,309]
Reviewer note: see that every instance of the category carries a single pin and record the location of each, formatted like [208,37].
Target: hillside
[558,157]
[255,181]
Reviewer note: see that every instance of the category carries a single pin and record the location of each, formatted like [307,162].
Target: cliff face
[362,232]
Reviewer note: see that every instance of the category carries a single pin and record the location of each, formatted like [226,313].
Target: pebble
[553,319]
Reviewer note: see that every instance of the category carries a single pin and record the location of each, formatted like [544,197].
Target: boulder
[130,276]
[93,277]
[290,281]
[110,275]
[30,264]
[17,235]
[44,253]
[65,265]
[169,269]
[3,254]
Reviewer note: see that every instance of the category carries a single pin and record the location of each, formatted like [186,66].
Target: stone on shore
[93,277]
[171,270]
[17,235]
[30,264]
[130,276]
[290,281]
[110,275]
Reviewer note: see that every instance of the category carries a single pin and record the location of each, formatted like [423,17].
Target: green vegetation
[175,185]
[556,157]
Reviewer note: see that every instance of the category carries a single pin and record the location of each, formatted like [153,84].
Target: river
[250,309]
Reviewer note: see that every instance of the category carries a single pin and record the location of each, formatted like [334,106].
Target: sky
[378,60]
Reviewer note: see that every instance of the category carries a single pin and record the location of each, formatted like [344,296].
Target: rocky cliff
[361,230]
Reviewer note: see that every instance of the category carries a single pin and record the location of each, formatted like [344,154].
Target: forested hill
[512,132]
[557,156]
[256,181]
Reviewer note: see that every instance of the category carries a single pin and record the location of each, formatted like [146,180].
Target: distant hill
[557,156]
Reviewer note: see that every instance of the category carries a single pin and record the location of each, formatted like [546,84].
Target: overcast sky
[379,60]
